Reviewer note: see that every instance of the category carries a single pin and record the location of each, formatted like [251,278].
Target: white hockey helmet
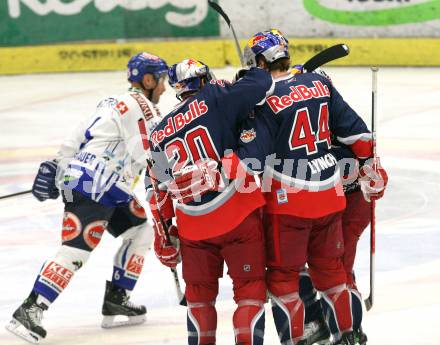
[187,76]
[271,44]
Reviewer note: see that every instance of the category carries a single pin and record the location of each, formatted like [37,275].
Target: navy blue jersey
[302,113]
[215,124]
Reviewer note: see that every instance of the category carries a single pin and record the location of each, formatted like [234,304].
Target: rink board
[215,53]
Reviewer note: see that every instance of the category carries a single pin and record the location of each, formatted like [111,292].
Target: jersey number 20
[196,145]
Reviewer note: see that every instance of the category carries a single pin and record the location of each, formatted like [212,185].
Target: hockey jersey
[215,124]
[108,150]
[304,179]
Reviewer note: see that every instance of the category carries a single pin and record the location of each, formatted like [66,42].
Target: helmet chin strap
[148,91]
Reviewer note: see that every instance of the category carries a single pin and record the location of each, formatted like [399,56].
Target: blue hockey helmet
[271,44]
[187,76]
[145,63]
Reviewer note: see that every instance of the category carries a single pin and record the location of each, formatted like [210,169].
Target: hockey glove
[240,74]
[195,180]
[163,207]
[44,184]
[167,253]
[321,72]
[373,180]
[299,69]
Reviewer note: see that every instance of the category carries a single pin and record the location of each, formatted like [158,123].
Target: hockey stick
[15,194]
[369,301]
[180,294]
[332,53]
[216,7]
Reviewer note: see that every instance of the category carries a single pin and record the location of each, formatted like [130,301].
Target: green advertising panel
[27,22]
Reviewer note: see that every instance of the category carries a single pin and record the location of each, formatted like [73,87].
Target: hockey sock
[356,308]
[201,323]
[248,322]
[56,274]
[336,303]
[287,306]
[129,259]
[308,294]
[288,314]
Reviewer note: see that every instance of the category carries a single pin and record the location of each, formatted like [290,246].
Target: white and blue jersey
[108,150]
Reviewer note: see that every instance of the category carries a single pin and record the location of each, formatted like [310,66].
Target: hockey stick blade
[180,294]
[183,301]
[332,53]
[216,7]
[15,194]
[368,303]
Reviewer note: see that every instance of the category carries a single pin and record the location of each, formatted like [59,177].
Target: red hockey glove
[167,253]
[373,180]
[163,207]
[195,180]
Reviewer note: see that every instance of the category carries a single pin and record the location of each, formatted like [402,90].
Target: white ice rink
[37,111]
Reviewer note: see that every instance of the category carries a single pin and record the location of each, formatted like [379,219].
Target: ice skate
[316,332]
[347,338]
[26,321]
[360,337]
[118,310]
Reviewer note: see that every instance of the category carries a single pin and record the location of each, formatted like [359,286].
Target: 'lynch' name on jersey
[299,93]
[180,120]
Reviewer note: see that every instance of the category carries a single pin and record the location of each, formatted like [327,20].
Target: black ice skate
[360,337]
[26,320]
[316,332]
[118,306]
[348,339]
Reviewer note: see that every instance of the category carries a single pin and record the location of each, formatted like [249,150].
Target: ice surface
[37,111]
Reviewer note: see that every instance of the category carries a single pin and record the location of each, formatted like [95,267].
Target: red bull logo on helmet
[256,39]
[276,32]
[191,62]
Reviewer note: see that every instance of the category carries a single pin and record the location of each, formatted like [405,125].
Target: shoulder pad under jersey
[136,103]
[109,102]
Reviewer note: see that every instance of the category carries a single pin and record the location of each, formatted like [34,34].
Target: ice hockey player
[95,170]
[304,192]
[355,219]
[223,225]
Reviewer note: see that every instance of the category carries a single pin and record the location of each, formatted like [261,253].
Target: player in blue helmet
[303,213]
[147,72]
[95,171]
[267,46]
[209,128]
